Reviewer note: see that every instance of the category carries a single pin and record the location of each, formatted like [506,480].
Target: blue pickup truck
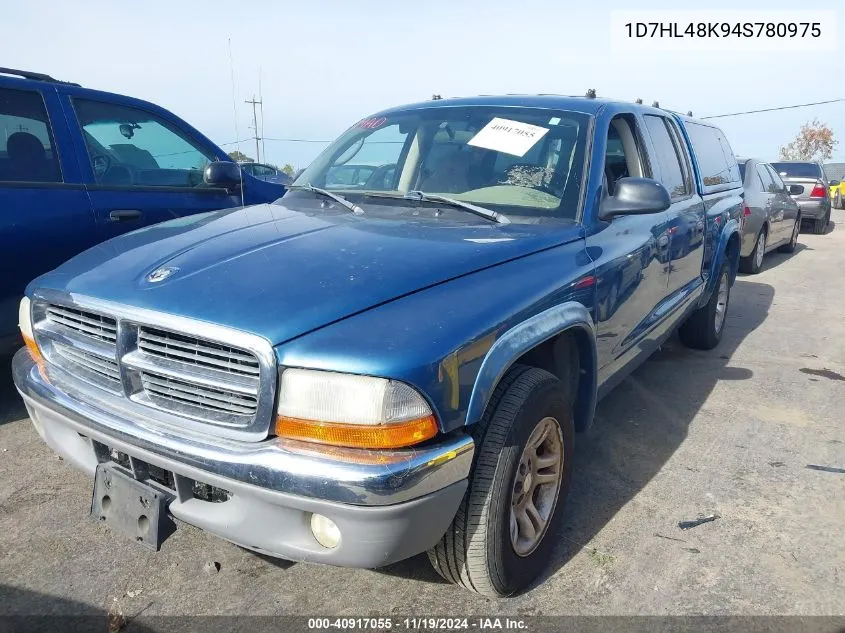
[358,373]
[79,166]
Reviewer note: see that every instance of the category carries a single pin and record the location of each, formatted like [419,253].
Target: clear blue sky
[326,64]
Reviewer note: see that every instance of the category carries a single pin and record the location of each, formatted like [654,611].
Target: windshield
[798,170]
[516,161]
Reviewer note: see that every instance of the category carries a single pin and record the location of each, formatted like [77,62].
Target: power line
[712,116]
[789,107]
[295,140]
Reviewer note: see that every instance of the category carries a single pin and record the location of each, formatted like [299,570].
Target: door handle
[663,242]
[125,215]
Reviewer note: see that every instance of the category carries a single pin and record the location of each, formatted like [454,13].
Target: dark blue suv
[79,166]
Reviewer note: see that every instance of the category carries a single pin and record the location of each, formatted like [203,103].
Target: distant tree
[288,169]
[240,157]
[814,142]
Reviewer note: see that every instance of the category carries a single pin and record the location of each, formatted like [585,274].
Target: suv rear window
[26,142]
[798,170]
[715,158]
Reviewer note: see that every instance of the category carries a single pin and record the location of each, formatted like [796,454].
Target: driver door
[139,167]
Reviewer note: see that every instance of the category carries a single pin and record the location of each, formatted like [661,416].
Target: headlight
[25,324]
[349,410]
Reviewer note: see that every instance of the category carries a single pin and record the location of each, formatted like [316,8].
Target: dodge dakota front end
[369,369]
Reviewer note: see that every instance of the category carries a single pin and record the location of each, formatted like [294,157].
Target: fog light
[325,531]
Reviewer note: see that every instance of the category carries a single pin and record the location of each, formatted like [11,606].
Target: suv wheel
[703,328]
[793,242]
[754,262]
[501,538]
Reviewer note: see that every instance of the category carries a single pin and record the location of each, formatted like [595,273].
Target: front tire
[704,327]
[793,241]
[754,262]
[501,538]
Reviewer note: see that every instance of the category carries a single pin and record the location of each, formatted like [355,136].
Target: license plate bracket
[131,507]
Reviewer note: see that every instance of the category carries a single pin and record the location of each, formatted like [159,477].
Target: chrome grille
[187,349]
[104,369]
[148,360]
[165,390]
[88,324]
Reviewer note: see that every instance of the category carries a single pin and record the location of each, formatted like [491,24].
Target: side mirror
[795,190]
[635,196]
[834,183]
[223,175]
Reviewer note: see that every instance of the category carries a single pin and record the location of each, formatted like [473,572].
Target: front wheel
[754,262]
[703,328]
[793,241]
[501,538]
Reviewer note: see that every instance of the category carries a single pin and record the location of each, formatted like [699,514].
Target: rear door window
[667,157]
[779,186]
[135,148]
[765,178]
[716,161]
[27,149]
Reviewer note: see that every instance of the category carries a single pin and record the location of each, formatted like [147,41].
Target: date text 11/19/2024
[419,623]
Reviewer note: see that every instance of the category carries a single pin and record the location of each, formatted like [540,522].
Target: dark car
[267,173]
[808,186]
[79,166]
[772,217]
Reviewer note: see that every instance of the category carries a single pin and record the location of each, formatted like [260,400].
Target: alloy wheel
[536,486]
[721,302]
[761,249]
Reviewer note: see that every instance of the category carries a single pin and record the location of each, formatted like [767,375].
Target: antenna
[255,126]
[235,114]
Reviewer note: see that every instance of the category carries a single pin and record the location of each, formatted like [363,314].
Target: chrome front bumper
[388,505]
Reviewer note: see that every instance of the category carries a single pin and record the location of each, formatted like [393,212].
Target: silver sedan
[772,217]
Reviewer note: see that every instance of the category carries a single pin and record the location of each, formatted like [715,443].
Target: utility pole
[255,124]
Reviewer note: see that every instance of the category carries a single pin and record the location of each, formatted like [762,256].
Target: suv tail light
[819,191]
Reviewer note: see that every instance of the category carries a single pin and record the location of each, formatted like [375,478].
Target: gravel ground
[729,432]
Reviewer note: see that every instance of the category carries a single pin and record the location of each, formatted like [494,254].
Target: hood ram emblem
[160,274]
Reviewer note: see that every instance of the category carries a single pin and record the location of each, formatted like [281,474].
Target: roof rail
[26,74]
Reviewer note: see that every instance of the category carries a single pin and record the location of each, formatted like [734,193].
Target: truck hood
[280,271]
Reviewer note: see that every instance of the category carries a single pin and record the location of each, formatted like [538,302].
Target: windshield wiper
[328,194]
[422,196]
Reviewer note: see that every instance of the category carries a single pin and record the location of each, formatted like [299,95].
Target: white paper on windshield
[510,137]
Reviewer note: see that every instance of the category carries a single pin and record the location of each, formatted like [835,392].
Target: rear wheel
[703,329]
[754,262]
[502,535]
[820,225]
[793,241]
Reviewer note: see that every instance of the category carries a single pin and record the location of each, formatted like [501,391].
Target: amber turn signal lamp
[382,436]
[34,351]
